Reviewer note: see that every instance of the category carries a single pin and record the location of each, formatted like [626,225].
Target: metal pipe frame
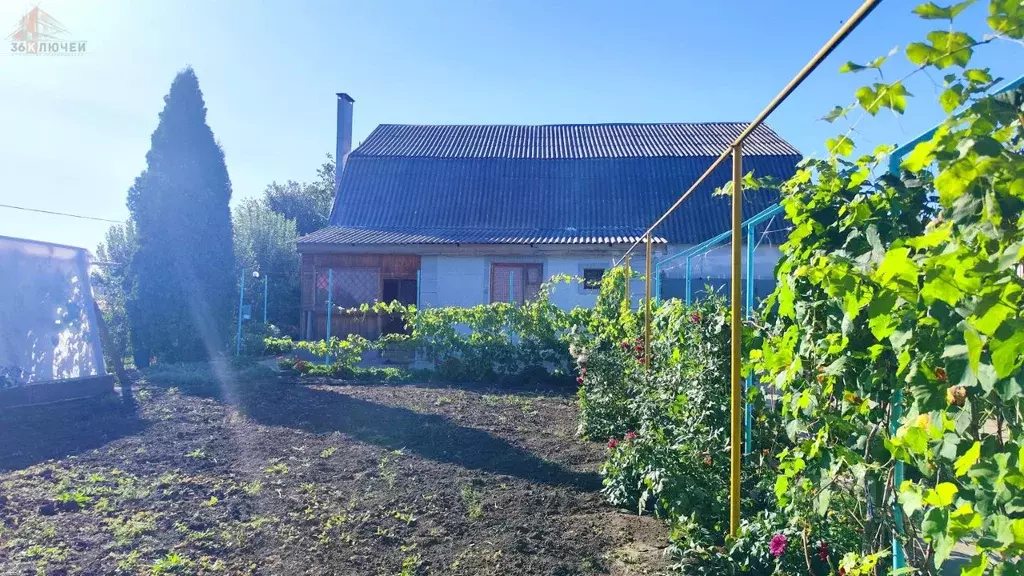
[851,23]
[736,343]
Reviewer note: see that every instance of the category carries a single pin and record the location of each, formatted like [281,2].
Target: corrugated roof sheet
[361,236]
[568,141]
[536,184]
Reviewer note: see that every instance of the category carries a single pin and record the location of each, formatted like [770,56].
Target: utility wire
[53,213]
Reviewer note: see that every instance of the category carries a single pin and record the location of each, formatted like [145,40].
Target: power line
[53,213]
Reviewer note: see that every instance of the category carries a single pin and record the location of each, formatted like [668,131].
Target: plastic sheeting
[48,329]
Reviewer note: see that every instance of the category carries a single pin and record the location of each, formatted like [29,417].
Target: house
[464,215]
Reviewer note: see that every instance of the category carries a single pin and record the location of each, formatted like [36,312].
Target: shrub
[272,345]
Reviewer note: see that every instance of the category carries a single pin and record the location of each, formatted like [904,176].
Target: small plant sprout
[277,468]
[474,507]
[328,452]
[253,488]
[387,471]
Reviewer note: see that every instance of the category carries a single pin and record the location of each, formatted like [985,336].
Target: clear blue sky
[75,130]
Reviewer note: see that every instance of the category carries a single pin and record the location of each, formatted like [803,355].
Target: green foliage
[112,284]
[173,563]
[307,203]
[666,417]
[181,302]
[265,242]
[525,344]
[908,289]
[343,352]
[272,345]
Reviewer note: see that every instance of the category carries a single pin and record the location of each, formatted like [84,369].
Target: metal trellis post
[736,341]
[418,289]
[748,415]
[687,280]
[241,295]
[330,305]
[512,286]
[647,308]
[266,291]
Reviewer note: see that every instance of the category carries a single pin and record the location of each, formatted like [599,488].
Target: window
[515,282]
[403,290]
[592,278]
[350,286]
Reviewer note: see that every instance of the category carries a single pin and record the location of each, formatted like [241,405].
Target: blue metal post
[330,305]
[748,416]
[512,286]
[241,294]
[657,284]
[687,280]
[266,291]
[418,289]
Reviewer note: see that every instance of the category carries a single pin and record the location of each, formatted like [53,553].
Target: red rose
[612,443]
[579,379]
[823,551]
[630,435]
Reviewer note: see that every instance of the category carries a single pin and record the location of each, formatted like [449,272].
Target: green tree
[265,241]
[308,203]
[181,304]
[113,282]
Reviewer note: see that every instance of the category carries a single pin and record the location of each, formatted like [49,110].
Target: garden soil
[282,477]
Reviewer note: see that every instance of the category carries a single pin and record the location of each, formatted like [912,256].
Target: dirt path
[281,478]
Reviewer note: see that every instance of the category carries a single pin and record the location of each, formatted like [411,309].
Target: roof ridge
[569,124]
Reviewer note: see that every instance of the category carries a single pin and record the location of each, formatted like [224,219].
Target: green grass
[128,528]
[198,375]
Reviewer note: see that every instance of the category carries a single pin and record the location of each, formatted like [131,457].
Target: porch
[352,280]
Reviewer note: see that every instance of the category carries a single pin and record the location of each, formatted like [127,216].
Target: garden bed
[271,476]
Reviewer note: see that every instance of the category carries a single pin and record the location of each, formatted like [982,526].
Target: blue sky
[76,129]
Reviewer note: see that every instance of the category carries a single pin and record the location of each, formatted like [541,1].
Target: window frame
[520,268]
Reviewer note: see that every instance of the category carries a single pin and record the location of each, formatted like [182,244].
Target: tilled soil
[279,477]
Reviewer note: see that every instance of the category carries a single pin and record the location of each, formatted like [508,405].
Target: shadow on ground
[34,434]
[323,411]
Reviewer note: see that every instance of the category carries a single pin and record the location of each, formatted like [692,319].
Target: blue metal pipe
[748,415]
[266,291]
[687,280]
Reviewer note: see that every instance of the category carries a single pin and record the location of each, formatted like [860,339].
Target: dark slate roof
[543,184]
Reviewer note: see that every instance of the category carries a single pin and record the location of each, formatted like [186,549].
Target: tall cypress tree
[181,302]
